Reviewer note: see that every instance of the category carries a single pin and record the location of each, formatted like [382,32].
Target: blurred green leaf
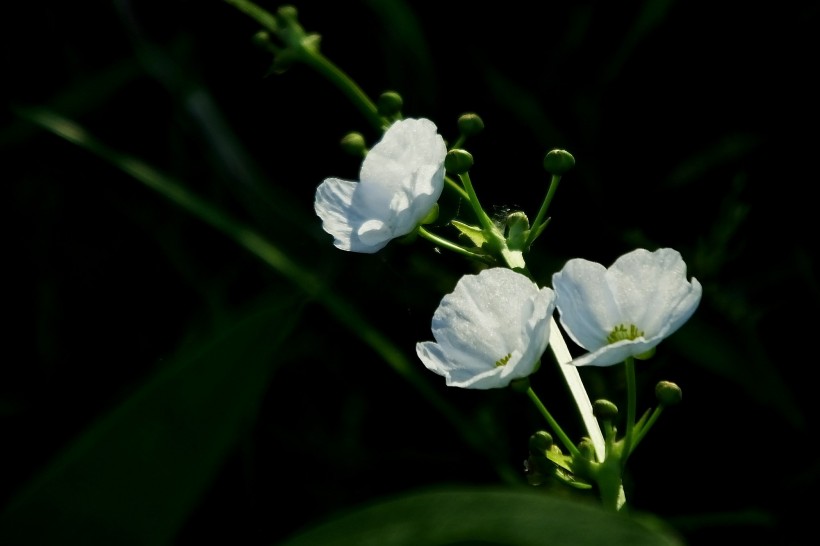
[135,475]
[483,516]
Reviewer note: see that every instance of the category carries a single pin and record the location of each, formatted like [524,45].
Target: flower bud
[353,143]
[587,449]
[389,104]
[558,162]
[540,442]
[287,12]
[470,124]
[604,409]
[458,161]
[668,393]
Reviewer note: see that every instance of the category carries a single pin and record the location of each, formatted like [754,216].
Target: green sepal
[518,229]
[563,470]
[474,233]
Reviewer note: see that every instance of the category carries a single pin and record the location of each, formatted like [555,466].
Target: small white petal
[586,305]
[495,315]
[647,290]
[401,179]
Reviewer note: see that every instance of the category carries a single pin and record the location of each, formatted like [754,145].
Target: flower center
[622,332]
[503,360]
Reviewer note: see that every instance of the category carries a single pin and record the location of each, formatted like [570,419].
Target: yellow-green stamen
[503,360]
[622,331]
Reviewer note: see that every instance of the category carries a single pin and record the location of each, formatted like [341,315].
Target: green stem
[261,16]
[449,245]
[556,428]
[542,212]
[337,77]
[631,403]
[486,224]
[641,432]
[454,185]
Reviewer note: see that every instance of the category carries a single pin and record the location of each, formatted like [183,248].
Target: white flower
[626,310]
[401,179]
[491,329]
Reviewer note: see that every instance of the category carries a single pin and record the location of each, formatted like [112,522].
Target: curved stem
[340,79]
[449,245]
[454,185]
[556,428]
[641,432]
[542,212]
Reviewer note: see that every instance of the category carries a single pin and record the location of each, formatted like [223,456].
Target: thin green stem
[631,403]
[455,186]
[556,428]
[352,91]
[261,16]
[449,245]
[483,219]
[542,212]
[641,432]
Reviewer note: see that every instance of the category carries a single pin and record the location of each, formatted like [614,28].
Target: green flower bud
[458,161]
[389,104]
[587,449]
[353,143]
[287,12]
[668,393]
[604,409]
[558,162]
[470,124]
[540,442]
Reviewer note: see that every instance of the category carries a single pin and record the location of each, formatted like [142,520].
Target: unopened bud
[668,393]
[353,143]
[470,124]
[604,409]
[540,442]
[587,449]
[458,161]
[558,162]
[389,104]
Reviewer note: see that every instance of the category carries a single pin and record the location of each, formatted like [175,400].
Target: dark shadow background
[693,127]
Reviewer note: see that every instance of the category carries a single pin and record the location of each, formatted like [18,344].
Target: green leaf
[135,474]
[511,517]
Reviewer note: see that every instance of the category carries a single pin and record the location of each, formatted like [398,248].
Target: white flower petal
[647,290]
[495,315]
[401,179]
[587,308]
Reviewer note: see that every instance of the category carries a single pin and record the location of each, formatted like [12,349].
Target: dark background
[693,125]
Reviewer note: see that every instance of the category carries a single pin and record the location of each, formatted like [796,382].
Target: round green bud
[458,161]
[353,143]
[261,38]
[587,449]
[558,162]
[604,409]
[668,393]
[470,124]
[389,104]
[540,442]
[288,12]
